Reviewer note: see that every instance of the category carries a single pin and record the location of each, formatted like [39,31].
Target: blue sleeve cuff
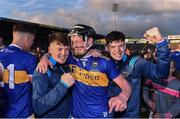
[162,43]
[65,84]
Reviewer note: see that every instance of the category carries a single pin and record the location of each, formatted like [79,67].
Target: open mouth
[118,55]
[61,57]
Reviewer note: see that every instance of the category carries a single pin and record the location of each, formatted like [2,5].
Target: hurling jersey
[92,74]
[18,65]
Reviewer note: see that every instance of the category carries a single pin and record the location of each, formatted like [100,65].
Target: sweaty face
[116,49]
[78,45]
[59,52]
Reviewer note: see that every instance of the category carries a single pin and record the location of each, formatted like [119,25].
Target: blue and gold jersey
[18,67]
[92,74]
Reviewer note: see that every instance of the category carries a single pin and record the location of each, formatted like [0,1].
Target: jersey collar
[52,60]
[15,46]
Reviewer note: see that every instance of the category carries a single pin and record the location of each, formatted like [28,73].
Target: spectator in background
[19,65]
[146,55]
[38,53]
[175,55]
[38,50]
[1,43]
[177,49]
[163,96]
[128,52]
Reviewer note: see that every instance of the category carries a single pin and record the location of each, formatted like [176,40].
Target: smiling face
[117,49]
[59,52]
[78,45]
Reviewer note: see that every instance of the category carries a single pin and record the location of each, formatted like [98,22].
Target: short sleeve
[112,71]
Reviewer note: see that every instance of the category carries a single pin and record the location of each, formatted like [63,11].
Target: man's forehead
[58,44]
[76,37]
[75,34]
[117,42]
[61,45]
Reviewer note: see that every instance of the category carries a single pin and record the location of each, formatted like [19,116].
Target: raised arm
[160,70]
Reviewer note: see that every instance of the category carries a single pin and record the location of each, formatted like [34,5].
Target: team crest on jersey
[94,64]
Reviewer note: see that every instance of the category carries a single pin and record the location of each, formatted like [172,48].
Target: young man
[133,68]
[51,94]
[175,55]
[18,66]
[92,74]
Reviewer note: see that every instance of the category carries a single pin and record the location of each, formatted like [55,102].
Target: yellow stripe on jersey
[91,78]
[19,77]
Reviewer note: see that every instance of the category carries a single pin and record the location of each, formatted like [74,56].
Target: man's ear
[106,48]
[49,49]
[90,41]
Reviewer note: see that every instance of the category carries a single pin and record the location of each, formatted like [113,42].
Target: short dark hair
[60,37]
[21,27]
[114,36]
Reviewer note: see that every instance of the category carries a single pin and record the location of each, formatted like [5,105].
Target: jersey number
[10,68]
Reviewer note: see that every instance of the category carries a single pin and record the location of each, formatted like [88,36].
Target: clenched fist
[153,35]
[68,79]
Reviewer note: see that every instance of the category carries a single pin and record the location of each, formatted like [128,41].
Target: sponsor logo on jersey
[92,78]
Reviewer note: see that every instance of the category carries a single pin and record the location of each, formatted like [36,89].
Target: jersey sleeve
[112,71]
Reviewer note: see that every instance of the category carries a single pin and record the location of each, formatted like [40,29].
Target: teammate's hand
[42,66]
[153,35]
[118,103]
[96,53]
[68,79]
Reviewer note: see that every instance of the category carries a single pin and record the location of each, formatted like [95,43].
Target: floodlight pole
[115,8]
